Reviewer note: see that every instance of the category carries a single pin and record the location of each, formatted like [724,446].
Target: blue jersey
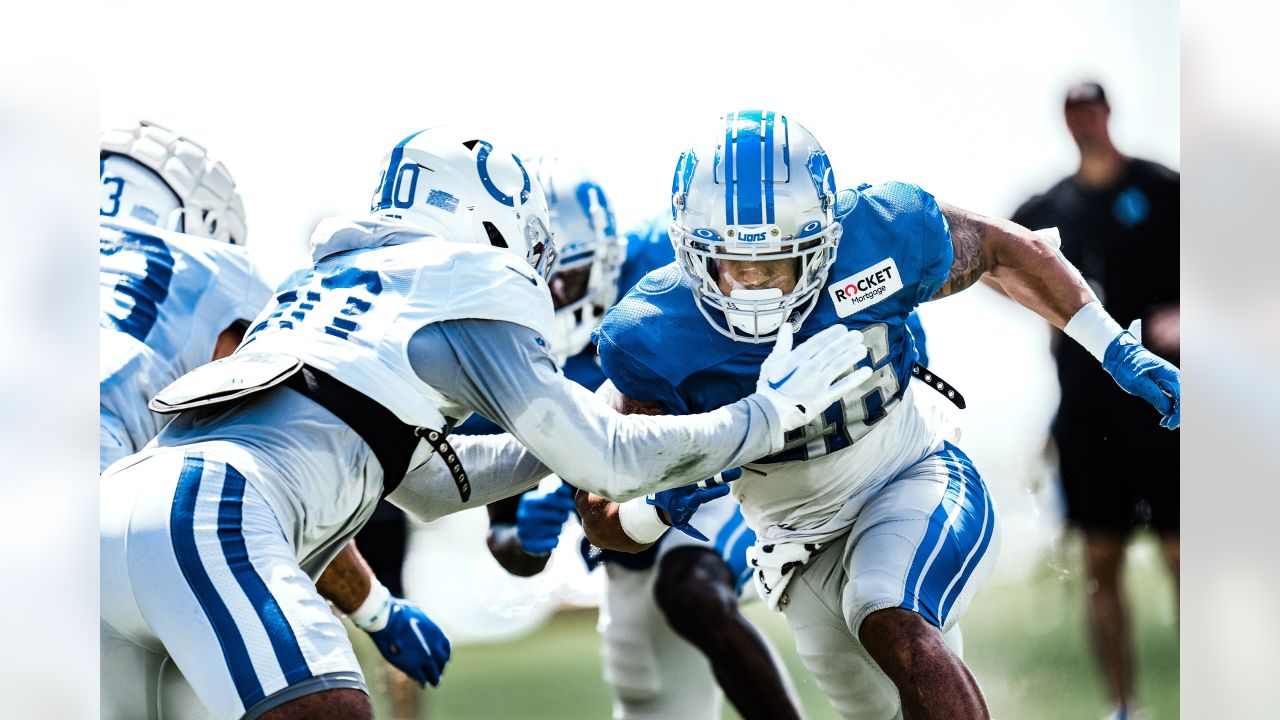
[895,253]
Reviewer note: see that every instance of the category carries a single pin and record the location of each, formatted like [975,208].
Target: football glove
[802,382]
[681,503]
[1143,373]
[409,640]
[540,517]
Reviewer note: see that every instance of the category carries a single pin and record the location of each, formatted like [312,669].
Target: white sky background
[302,102]
[962,98]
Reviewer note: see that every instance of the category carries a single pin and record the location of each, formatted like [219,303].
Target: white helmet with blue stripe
[465,189]
[585,283]
[762,189]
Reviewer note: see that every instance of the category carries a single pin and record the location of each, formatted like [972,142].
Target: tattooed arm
[1026,267]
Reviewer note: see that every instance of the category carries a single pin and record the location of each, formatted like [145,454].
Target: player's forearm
[497,466]
[602,524]
[619,457]
[1037,276]
[506,549]
[347,580]
[1027,267]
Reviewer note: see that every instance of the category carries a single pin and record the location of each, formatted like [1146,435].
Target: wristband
[1093,328]
[373,613]
[640,521]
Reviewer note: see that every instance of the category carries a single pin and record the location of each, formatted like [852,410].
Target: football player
[874,529]
[342,392]
[669,620]
[177,285]
[174,271]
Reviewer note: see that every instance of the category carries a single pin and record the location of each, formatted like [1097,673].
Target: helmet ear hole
[495,237]
[470,144]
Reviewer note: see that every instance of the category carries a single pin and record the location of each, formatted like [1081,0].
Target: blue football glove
[540,516]
[412,643]
[1141,372]
[681,503]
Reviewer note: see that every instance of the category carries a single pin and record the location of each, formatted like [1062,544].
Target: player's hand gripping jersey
[165,297]
[895,254]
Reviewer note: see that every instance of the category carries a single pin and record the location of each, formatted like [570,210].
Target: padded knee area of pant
[694,590]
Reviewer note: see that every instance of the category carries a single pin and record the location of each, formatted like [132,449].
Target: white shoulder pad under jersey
[164,299]
[352,314]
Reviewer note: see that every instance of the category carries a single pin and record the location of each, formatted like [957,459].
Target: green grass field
[1025,642]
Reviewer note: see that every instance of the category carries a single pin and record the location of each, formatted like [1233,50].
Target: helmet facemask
[764,191]
[754,315]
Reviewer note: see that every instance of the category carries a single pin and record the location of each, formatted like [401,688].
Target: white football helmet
[763,191]
[154,175]
[463,189]
[585,283]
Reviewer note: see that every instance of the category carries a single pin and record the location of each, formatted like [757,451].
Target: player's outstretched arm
[1035,274]
[405,636]
[498,369]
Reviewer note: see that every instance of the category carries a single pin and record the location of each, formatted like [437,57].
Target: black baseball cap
[1086,92]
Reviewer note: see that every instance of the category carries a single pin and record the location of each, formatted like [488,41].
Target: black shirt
[1124,240]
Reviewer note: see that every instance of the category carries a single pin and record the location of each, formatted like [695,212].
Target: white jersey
[812,501]
[353,313]
[164,299]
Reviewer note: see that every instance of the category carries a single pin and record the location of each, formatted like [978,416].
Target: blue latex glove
[681,503]
[540,516]
[1143,373]
[413,643]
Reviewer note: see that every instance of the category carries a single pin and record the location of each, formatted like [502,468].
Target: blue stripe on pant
[231,535]
[959,533]
[231,538]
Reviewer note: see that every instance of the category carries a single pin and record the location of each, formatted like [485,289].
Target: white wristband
[373,613]
[1093,328]
[640,521]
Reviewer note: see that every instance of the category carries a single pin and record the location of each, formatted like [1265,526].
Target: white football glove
[803,382]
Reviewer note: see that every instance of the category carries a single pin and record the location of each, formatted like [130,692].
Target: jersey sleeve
[936,252]
[633,378]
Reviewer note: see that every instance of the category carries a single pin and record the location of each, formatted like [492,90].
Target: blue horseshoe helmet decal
[482,165]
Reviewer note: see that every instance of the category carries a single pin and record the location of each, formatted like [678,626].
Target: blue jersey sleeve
[634,379]
[936,253]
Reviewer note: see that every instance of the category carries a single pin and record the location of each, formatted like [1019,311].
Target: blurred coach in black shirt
[1118,218]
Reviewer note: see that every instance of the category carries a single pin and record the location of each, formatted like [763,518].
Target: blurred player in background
[874,530]
[1118,218]
[177,285]
[432,307]
[669,619]
[174,269]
